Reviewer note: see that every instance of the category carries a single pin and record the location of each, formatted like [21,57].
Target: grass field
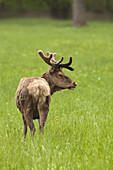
[79,128]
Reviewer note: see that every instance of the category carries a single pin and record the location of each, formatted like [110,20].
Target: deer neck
[47,78]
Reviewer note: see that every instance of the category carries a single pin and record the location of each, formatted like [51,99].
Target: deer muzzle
[72,86]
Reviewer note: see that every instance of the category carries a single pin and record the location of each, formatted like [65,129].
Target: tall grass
[79,128]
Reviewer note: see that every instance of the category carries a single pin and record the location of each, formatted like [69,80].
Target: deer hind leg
[43,112]
[24,126]
[42,119]
[29,120]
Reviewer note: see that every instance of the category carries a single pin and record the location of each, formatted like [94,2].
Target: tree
[20,5]
[79,17]
[2,6]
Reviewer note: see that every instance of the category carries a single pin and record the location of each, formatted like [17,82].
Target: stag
[33,94]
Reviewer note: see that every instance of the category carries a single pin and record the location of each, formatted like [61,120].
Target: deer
[33,94]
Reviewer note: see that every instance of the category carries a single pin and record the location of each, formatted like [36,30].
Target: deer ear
[51,70]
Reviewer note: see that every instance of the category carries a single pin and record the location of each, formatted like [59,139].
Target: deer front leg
[43,112]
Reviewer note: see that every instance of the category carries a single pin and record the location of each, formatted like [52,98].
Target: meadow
[79,127]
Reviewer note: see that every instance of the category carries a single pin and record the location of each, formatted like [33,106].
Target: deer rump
[31,93]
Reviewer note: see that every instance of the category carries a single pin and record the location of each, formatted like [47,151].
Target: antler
[50,60]
[46,59]
[67,65]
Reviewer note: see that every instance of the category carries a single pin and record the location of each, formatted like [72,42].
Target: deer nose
[74,84]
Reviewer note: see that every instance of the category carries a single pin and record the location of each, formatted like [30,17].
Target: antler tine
[67,65]
[50,59]
[54,54]
[46,59]
[60,60]
[48,53]
[53,62]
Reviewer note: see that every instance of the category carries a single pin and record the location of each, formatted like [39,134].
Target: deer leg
[24,126]
[43,112]
[29,120]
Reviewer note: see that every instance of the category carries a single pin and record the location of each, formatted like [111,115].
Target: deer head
[55,76]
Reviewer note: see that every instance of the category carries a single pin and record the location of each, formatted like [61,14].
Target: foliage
[99,5]
[79,128]
[60,8]
[25,5]
[57,8]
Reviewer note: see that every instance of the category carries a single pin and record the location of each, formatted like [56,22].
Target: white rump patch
[39,89]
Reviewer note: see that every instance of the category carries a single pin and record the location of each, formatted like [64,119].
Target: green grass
[79,128]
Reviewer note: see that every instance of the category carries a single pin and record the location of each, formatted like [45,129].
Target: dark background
[56,9]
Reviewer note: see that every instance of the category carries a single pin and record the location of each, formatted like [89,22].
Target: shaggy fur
[32,99]
[33,94]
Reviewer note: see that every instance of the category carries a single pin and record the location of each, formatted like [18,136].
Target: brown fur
[33,95]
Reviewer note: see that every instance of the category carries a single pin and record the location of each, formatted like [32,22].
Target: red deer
[33,94]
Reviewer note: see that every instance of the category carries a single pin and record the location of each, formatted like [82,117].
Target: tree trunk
[79,16]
